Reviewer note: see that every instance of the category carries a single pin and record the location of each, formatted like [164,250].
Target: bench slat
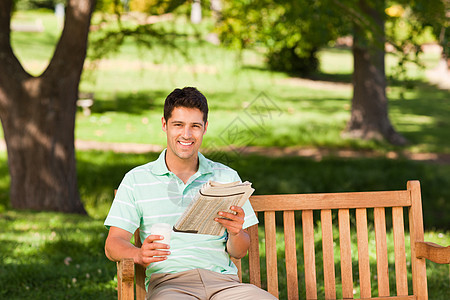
[271,253]
[418,266]
[253,257]
[328,254]
[330,201]
[346,253]
[363,253]
[140,270]
[393,298]
[237,262]
[381,246]
[399,251]
[291,255]
[309,254]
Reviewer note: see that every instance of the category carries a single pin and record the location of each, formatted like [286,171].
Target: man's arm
[118,246]
[238,238]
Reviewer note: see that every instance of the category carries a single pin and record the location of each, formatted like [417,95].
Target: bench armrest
[434,252]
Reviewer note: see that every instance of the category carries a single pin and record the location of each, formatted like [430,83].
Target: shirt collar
[160,167]
[205,165]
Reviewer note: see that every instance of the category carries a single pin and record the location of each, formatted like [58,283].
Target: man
[195,266]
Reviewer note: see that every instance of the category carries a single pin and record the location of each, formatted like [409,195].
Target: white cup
[163,229]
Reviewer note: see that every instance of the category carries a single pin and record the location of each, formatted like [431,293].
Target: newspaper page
[212,198]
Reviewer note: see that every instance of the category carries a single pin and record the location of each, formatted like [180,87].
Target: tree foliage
[115,25]
[290,31]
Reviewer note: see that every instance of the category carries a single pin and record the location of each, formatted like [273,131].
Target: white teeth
[185,144]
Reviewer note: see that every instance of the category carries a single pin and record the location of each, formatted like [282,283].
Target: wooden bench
[387,207]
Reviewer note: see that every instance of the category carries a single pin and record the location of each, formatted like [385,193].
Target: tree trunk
[38,116]
[369,114]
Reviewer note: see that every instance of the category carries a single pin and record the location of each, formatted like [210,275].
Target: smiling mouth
[185,143]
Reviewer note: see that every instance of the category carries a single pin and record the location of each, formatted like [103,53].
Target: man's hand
[232,222]
[118,246]
[239,240]
[151,251]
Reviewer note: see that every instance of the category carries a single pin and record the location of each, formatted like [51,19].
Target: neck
[182,168]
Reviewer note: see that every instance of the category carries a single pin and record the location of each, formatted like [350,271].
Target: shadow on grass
[54,256]
[315,76]
[423,113]
[132,103]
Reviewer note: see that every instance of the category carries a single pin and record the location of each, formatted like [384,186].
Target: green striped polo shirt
[150,194]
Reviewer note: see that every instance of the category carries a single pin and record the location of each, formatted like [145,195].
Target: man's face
[184,130]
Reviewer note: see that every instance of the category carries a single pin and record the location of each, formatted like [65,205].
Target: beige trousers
[202,284]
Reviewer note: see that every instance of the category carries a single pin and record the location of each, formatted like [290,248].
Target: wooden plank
[328,254]
[140,282]
[363,253]
[309,254]
[119,280]
[392,298]
[291,255]
[398,228]
[253,256]
[271,253]
[330,201]
[418,266]
[137,238]
[381,246]
[237,263]
[346,253]
[125,279]
[139,271]
[434,252]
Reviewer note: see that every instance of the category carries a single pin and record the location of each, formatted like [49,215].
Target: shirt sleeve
[124,213]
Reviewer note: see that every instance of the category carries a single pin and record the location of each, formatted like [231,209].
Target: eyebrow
[181,122]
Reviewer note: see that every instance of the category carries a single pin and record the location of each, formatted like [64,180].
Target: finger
[148,260]
[230,224]
[156,245]
[153,237]
[237,209]
[154,253]
[239,218]
[232,227]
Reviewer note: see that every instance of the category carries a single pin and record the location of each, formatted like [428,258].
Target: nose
[187,132]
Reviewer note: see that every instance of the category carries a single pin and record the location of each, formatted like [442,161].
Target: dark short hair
[188,97]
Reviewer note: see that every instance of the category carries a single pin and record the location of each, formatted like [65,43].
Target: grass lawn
[56,256]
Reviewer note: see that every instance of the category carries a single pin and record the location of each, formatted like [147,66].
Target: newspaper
[210,199]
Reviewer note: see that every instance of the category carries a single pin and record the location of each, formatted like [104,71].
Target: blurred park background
[279,77]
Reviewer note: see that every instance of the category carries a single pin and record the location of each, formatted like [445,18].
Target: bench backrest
[342,206]
[345,204]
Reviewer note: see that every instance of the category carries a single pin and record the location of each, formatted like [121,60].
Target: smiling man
[195,266]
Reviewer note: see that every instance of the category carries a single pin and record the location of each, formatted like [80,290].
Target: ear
[206,126]
[164,124]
